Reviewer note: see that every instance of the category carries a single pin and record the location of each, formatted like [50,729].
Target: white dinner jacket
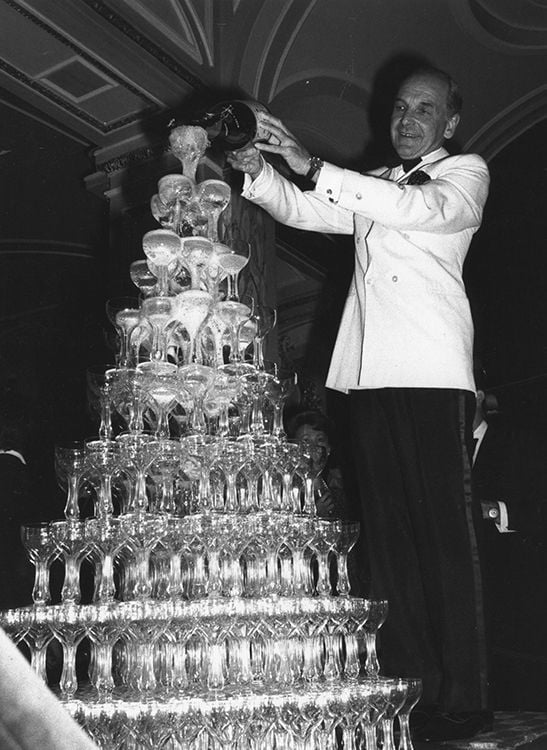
[406,321]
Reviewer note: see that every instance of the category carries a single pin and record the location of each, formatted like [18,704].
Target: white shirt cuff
[503,523]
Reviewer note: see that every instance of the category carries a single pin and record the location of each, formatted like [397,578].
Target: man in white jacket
[404,356]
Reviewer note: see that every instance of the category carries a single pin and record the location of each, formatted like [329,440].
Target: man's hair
[454,99]
[312,418]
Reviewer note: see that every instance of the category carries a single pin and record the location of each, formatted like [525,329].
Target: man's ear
[451,125]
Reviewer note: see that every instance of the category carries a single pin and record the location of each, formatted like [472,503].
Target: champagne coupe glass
[195,253]
[290,457]
[413,695]
[124,314]
[164,391]
[213,197]
[99,383]
[191,310]
[220,394]
[278,390]
[70,467]
[143,278]
[212,275]
[188,144]
[129,396]
[103,456]
[105,539]
[246,336]
[195,223]
[376,618]
[37,637]
[372,708]
[175,191]
[41,548]
[256,381]
[233,263]
[265,318]
[70,633]
[103,634]
[323,543]
[73,547]
[138,451]
[348,534]
[197,379]
[233,313]
[308,470]
[165,466]
[173,188]
[162,212]
[161,247]
[231,460]
[396,690]
[158,311]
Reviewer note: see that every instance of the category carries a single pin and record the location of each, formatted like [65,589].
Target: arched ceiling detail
[508,125]
[523,23]
[182,25]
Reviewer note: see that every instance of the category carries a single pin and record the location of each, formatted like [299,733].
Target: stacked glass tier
[200,601]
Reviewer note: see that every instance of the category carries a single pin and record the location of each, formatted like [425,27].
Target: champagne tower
[218,611]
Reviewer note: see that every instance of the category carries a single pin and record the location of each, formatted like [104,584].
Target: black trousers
[419,525]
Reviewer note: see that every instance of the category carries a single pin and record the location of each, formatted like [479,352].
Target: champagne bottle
[233,124]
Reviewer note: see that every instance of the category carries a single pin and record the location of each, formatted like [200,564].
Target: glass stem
[72,511]
[40,592]
[68,684]
[71,585]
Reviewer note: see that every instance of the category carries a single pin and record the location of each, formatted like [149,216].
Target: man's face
[420,121]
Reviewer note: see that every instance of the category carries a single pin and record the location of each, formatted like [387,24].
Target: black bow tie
[406,164]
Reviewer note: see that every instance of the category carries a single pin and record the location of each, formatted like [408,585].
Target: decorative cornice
[144,43]
[138,156]
[59,101]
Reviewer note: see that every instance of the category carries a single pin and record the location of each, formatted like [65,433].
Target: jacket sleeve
[452,201]
[296,208]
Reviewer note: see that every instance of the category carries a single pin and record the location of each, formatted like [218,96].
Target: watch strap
[315,166]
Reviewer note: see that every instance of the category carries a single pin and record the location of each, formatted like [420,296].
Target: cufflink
[493,513]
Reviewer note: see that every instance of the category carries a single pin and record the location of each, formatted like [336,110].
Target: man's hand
[246,160]
[281,141]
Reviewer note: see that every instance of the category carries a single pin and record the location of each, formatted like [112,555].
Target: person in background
[314,429]
[404,354]
[510,480]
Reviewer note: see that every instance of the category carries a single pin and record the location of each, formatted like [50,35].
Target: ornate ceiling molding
[510,123]
[522,24]
[93,62]
[195,29]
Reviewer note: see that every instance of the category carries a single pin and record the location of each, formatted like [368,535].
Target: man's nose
[406,117]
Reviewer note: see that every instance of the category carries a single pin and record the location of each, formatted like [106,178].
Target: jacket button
[329,192]
[358,196]
[395,278]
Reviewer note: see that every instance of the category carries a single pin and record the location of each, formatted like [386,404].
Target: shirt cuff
[329,182]
[259,186]
[503,523]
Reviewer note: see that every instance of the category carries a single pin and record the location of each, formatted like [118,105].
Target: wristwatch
[315,165]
